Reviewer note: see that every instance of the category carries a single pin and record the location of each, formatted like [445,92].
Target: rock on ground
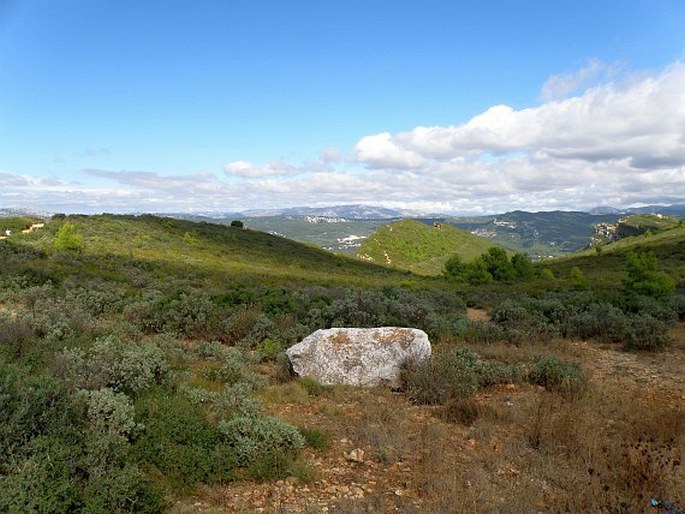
[358,356]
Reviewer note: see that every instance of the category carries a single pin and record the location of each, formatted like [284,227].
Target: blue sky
[461,107]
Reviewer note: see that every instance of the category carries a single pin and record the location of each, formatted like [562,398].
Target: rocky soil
[387,455]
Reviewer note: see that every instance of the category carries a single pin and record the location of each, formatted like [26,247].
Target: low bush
[111,362]
[315,438]
[264,444]
[313,386]
[601,321]
[180,442]
[454,374]
[557,375]
[646,334]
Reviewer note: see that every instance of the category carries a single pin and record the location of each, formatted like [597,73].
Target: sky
[453,107]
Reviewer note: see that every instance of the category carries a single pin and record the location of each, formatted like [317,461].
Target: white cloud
[383,151]
[616,138]
[618,143]
[249,170]
[562,85]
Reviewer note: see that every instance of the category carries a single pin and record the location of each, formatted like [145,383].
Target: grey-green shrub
[646,334]
[455,374]
[111,362]
[111,414]
[446,375]
[251,438]
[557,375]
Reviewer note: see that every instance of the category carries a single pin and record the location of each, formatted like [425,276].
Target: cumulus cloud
[384,151]
[620,142]
[610,138]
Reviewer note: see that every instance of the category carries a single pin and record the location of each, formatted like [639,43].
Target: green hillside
[121,248]
[604,267]
[653,222]
[539,234]
[420,248]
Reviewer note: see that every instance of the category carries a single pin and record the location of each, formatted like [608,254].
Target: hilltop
[633,225]
[420,247]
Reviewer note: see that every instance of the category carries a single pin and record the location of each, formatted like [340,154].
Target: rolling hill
[119,247]
[419,247]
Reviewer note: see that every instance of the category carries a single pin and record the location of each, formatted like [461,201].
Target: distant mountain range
[363,212]
[344,228]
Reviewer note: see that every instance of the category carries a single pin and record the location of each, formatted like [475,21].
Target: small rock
[356,455]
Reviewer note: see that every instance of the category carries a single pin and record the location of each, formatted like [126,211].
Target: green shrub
[548,274]
[523,266]
[68,239]
[46,480]
[645,278]
[31,406]
[455,268]
[646,334]
[557,375]
[180,442]
[498,264]
[447,375]
[313,386]
[111,362]
[260,439]
[677,303]
[578,280]
[315,438]
[121,490]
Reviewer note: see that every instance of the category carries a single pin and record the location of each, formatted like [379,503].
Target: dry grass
[513,448]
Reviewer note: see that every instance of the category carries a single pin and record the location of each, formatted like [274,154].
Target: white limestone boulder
[358,356]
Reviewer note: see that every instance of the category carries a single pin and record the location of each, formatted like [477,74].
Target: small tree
[578,279]
[645,278]
[455,268]
[477,272]
[498,264]
[237,224]
[68,239]
[523,266]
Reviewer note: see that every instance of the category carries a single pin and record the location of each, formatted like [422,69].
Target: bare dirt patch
[477,314]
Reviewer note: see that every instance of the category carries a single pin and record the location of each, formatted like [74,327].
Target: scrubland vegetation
[142,368]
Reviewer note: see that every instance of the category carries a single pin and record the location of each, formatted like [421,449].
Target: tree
[477,272]
[644,276]
[578,279]
[523,266]
[455,268]
[237,223]
[68,239]
[498,264]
